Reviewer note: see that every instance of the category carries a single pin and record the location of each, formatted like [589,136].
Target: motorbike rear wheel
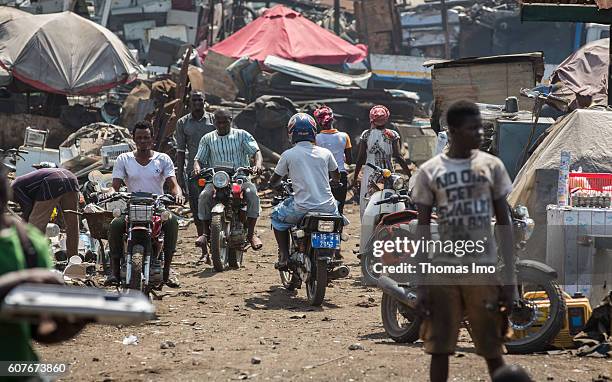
[135,279]
[392,311]
[317,283]
[535,335]
[218,245]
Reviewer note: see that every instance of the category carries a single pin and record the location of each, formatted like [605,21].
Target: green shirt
[16,338]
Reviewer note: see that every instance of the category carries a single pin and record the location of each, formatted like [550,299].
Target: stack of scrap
[88,148]
[156,28]
[310,84]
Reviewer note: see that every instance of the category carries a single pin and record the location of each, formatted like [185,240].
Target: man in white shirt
[144,170]
[310,168]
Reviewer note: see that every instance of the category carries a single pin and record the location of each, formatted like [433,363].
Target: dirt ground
[241,324]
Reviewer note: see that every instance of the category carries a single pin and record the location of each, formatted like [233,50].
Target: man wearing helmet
[310,168]
[377,146]
[339,144]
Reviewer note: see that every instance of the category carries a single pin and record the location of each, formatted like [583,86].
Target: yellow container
[578,310]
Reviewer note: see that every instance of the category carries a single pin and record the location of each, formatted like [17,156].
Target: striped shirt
[231,150]
[43,184]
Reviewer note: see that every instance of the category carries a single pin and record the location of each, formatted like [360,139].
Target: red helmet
[324,116]
[379,115]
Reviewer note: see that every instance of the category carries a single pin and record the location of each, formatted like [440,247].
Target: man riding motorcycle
[310,168]
[228,147]
[144,170]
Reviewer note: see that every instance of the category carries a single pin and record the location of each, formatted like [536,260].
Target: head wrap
[379,115]
[324,116]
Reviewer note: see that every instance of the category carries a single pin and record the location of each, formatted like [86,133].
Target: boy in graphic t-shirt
[468,187]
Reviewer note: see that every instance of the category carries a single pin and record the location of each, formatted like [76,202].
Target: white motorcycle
[383,185]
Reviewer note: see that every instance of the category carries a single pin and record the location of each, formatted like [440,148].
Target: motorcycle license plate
[325,240]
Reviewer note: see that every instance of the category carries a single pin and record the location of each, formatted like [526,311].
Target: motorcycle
[143,263]
[375,211]
[534,329]
[314,250]
[228,227]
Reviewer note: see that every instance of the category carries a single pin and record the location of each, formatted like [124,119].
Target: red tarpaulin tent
[285,33]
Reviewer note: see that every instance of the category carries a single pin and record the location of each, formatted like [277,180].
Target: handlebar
[393,199]
[211,171]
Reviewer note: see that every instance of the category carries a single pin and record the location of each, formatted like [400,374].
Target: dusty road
[241,324]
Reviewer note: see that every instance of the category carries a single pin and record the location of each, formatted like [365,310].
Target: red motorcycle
[143,263]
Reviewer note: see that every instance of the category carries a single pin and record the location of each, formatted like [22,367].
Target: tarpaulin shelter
[285,33]
[586,133]
[64,53]
[585,72]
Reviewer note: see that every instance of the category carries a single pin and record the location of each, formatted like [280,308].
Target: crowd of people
[317,165]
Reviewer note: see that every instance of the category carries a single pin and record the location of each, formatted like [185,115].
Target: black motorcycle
[314,251]
[228,227]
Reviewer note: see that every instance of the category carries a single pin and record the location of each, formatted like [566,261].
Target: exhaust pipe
[339,273]
[390,287]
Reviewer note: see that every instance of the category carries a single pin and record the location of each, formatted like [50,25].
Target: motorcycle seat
[398,217]
[311,218]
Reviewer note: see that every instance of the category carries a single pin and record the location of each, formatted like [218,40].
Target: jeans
[205,200]
[286,215]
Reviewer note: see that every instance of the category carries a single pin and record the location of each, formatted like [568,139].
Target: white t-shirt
[139,178]
[308,166]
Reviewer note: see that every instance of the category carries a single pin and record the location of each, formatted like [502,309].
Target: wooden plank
[486,83]
[216,80]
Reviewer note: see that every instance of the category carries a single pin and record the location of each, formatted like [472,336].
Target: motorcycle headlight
[116,212]
[398,183]
[221,179]
[325,226]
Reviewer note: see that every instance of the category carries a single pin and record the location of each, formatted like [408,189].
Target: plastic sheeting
[585,72]
[64,53]
[285,33]
[586,133]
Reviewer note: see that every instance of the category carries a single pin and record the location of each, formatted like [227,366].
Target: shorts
[449,304]
[286,215]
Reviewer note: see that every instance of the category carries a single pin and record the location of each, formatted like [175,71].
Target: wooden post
[610,69]
[337,17]
[444,11]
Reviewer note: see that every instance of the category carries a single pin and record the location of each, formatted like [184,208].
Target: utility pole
[337,17]
[444,11]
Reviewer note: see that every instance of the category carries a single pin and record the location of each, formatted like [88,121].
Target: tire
[389,309]
[542,339]
[317,283]
[235,257]
[368,276]
[135,280]
[218,249]
[290,280]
